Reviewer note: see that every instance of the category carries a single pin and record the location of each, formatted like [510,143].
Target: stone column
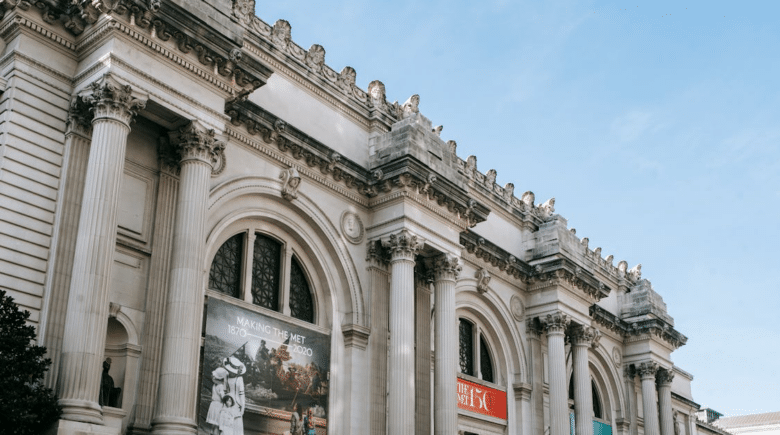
[555,325]
[178,391]
[583,338]
[664,378]
[403,247]
[646,372]
[84,336]
[378,292]
[445,270]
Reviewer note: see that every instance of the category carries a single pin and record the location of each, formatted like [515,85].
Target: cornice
[637,331]
[261,147]
[491,254]
[565,271]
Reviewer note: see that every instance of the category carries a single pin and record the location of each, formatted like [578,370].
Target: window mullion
[284,292]
[475,352]
[249,248]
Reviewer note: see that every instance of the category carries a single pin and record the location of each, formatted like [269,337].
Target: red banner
[480,399]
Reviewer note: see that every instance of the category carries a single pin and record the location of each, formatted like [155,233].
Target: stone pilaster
[113,106]
[403,247]
[534,330]
[630,374]
[74,170]
[379,290]
[555,325]
[178,392]
[157,295]
[646,371]
[582,339]
[446,270]
[664,378]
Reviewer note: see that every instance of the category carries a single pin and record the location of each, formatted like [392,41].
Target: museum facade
[215,232]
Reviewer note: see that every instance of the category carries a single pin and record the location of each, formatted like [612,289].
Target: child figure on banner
[308,424]
[218,377]
[234,386]
[227,417]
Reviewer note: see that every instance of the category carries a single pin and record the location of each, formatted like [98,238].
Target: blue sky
[655,125]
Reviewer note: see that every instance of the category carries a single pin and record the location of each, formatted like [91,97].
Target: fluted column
[555,325]
[534,331]
[582,339]
[84,337]
[630,372]
[178,392]
[664,378]
[647,372]
[403,247]
[446,270]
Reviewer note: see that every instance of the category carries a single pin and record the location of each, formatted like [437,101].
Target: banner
[480,399]
[257,370]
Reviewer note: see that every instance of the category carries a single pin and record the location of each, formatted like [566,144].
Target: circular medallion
[352,227]
[616,356]
[517,308]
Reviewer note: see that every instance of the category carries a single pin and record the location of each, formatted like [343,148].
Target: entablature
[636,330]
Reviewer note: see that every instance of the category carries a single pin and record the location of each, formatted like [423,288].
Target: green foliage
[26,406]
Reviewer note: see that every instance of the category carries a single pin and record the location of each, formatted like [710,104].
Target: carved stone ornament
[490,178]
[291,180]
[244,10]
[556,322]
[664,377]
[483,279]
[516,305]
[546,210]
[635,273]
[280,34]
[437,130]
[528,199]
[315,57]
[108,98]
[194,142]
[509,192]
[445,266]
[376,94]
[647,369]
[586,336]
[403,245]
[616,356]
[352,227]
[346,80]
[411,106]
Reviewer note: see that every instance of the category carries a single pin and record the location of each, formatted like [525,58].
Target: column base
[174,426]
[68,427]
[82,411]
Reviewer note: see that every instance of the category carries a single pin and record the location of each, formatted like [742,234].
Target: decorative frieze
[564,271]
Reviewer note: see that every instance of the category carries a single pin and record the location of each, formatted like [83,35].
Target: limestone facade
[148,146]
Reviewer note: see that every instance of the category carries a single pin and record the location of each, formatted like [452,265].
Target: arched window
[597,408]
[277,279]
[475,356]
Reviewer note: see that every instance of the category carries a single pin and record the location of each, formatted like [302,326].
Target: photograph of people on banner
[262,374]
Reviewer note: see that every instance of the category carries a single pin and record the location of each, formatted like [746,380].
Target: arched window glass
[268,257]
[225,273]
[596,401]
[466,347]
[301,305]
[485,361]
[265,272]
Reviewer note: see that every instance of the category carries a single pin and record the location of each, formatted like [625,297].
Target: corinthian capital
[194,142]
[664,377]
[110,99]
[586,336]
[647,369]
[403,245]
[445,267]
[556,322]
